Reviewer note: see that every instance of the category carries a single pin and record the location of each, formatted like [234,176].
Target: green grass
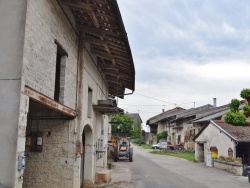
[184,155]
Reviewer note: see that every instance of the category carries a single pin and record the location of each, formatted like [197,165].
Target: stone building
[161,122]
[62,64]
[223,139]
[136,120]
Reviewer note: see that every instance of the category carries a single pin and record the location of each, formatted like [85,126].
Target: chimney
[215,105]
[163,110]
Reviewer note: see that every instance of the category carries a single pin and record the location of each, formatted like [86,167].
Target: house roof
[165,115]
[135,117]
[211,113]
[100,24]
[194,111]
[214,112]
[212,116]
[237,133]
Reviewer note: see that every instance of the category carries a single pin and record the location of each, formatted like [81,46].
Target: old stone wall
[54,165]
[232,167]
[47,28]
[45,24]
[161,127]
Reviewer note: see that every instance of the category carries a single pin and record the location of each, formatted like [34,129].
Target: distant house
[136,119]
[223,139]
[161,122]
[201,120]
[182,124]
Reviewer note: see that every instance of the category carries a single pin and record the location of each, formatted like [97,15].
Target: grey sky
[186,51]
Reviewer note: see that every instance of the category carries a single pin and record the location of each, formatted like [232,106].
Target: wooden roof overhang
[108,107]
[101,25]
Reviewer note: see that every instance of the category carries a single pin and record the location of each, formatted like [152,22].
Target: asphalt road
[156,171]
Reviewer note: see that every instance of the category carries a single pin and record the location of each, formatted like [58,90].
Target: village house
[183,125]
[201,120]
[63,62]
[136,120]
[223,139]
[161,122]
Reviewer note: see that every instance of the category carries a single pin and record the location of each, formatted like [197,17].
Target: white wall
[213,137]
[12,20]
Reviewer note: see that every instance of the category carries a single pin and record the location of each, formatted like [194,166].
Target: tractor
[122,148]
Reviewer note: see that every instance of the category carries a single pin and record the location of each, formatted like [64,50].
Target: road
[156,171]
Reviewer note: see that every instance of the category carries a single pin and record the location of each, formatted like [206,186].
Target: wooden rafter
[101,26]
[78,5]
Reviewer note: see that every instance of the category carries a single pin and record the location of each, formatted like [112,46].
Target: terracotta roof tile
[240,133]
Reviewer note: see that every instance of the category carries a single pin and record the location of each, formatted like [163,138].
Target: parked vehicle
[156,146]
[163,145]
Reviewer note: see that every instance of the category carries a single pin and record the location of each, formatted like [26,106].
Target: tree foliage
[121,124]
[235,118]
[136,133]
[162,135]
[234,105]
[246,110]
[245,93]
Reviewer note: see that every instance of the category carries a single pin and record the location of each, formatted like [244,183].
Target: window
[89,102]
[230,153]
[179,139]
[192,132]
[61,56]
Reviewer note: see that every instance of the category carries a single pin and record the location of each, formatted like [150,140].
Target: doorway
[87,166]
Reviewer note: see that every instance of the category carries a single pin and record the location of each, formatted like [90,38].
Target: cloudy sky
[186,52]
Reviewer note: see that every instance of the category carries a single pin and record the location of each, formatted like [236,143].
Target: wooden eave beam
[78,5]
[101,54]
[46,101]
[105,16]
[106,66]
[95,41]
[84,7]
[94,19]
[101,33]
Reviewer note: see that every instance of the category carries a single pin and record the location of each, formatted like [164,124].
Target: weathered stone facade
[50,86]
[45,24]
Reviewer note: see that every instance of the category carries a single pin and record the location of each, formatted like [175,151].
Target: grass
[184,155]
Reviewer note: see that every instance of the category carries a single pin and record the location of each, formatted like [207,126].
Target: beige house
[182,125]
[222,139]
[162,122]
[62,64]
[202,119]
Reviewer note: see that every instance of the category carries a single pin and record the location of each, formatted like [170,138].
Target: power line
[162,100]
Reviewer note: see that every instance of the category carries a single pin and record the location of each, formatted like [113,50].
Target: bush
[229,159]
[246,110]
[234,105]
[138,141]
[161,135]
[235,118]
[222,158]
[245,93]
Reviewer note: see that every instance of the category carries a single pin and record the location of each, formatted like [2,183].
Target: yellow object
[214,154]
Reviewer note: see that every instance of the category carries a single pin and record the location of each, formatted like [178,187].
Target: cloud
[187,51]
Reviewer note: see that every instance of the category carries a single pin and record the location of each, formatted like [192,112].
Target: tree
[121,124]
[136,133]
[234,116]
